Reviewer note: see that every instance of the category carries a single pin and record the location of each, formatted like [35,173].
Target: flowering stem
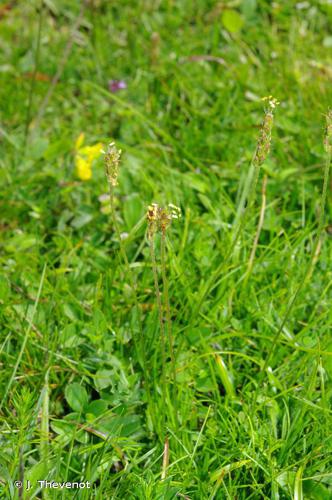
[247,197]
[141,350]
[313,257]
[118,235]
[166,303]
[160,315]
[259,229]
[250,189]
[112,165]
[249,192]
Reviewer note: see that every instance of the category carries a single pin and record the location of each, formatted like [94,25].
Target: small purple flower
[116,85]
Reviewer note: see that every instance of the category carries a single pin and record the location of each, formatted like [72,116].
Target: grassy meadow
[153,353]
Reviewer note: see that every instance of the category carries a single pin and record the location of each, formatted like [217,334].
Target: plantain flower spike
[152,217]
[112,163]
[328,132]
[160,218]
[264,140]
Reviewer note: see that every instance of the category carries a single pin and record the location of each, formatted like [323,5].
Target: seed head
[112,163]
[152,217]
[160,218]
[264,140]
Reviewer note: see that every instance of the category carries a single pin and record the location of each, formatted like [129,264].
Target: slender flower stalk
[112,164]
[165,218]
[328,149]
[166,302]
[248,194]
[159,220]
[258,231]
[112,158]
[321,223]
[153,221]
[260,155]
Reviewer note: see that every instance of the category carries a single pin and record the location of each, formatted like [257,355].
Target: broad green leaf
[97,408]
[248,8]
[81,220]
[232,20]
[197,182]
[70,311]
[315,490]
[36,472]
[38,148]
[21,242]
[76,397]
[103,379]
[67,431]
[124,426]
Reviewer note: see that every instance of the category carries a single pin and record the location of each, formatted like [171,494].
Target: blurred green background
[178,86]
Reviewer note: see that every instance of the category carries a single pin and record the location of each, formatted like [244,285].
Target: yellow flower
[84,157]
[83,168]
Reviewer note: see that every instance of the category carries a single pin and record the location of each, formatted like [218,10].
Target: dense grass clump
[165,330]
